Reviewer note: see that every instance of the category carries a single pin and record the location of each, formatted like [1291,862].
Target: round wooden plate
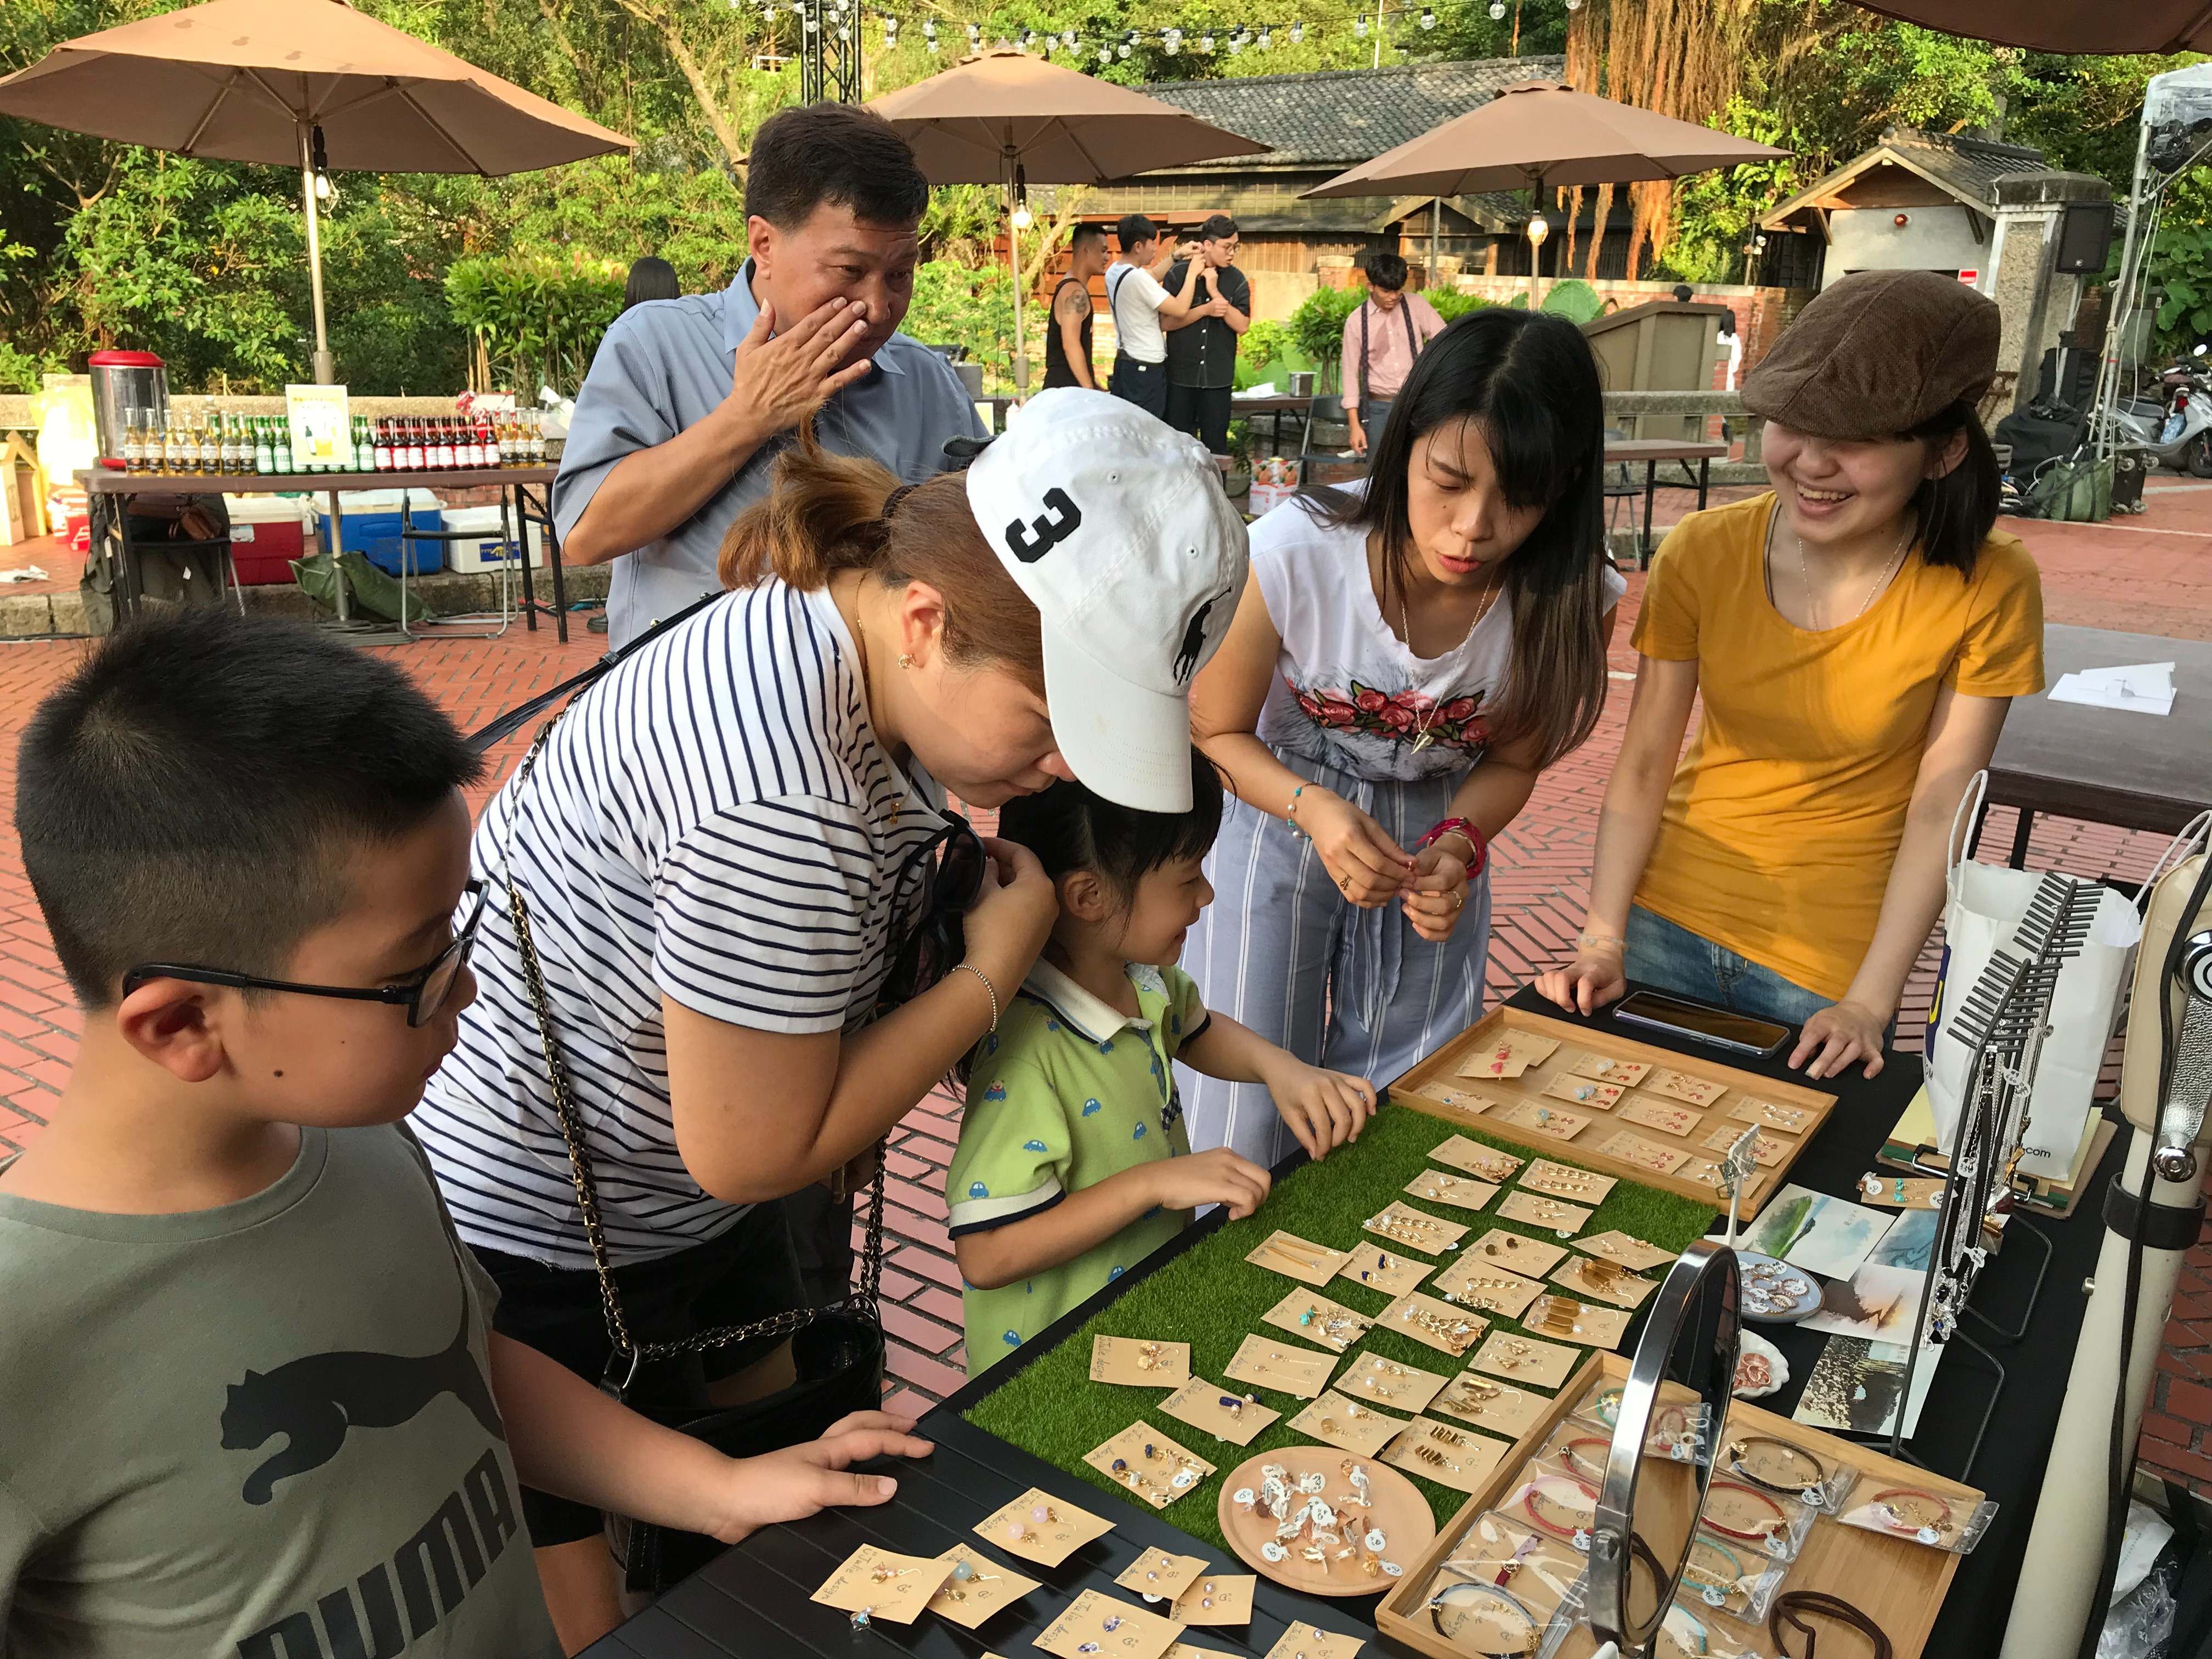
[1398,1508]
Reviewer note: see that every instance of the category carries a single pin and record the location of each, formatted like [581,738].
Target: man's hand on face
[781,378]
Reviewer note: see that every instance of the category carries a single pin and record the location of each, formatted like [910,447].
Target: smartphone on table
[1723,1027]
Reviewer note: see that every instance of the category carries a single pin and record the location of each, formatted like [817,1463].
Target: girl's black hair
[1952,515]
[1527,381]
[1069,828]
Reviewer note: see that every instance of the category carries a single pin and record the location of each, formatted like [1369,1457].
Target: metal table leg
[522,538]
[2020,832]
[1650,492]
[1704,480]
[553,563]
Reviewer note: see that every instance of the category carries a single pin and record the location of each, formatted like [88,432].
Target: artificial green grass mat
[1211,1297]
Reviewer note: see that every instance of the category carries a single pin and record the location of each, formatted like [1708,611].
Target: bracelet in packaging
[1730,1578]
[1500,1549]
[1787,1469]
[1487,1621]
[1766,1522]
[1920,1514]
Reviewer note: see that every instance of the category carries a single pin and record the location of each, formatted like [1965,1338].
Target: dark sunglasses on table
[422,993]
[950,867]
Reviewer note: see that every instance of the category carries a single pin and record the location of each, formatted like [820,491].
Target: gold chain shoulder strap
[863,1301]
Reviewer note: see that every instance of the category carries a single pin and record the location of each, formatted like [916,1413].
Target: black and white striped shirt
[714,822]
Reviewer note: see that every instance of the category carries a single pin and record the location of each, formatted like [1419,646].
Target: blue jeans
[1669,957]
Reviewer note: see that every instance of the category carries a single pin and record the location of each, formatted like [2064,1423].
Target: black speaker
[2085,238]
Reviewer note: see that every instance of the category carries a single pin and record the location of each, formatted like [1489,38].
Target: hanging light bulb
[1022,219]
[1235,42]
[845,32]
[1205,43]
[1266,38]
[974,34]
[1497,11]
[1029,39]
[1068,39]
[1297,33]
[890,33]
[1359,28]
[1428,18]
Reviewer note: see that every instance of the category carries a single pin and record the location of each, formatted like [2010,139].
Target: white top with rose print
[1347,692]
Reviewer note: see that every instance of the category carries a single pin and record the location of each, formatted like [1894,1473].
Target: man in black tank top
[1067,342]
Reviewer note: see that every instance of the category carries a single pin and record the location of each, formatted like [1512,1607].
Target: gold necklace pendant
[1422,742]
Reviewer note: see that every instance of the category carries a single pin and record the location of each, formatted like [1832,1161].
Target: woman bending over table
[1857,634]
[1410,653]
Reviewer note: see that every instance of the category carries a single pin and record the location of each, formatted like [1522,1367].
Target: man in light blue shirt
[677,426]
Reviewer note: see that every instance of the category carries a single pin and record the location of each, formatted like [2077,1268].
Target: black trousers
[1202,411]
[1145,384]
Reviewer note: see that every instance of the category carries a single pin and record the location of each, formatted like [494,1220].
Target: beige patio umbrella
[1009,118]
[311,83]
[1543,135]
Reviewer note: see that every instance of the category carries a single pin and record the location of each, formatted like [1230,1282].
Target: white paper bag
[1986,903]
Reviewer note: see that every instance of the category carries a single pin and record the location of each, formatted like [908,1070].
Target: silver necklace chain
[1805,576]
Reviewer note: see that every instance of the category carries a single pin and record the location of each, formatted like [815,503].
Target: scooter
[2174,430]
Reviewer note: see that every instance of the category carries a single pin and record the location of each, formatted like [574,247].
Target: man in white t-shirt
[1138,302]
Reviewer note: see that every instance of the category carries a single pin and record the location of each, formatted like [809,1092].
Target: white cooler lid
[267,509]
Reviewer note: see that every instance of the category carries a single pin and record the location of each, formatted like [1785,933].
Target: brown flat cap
[1875,354]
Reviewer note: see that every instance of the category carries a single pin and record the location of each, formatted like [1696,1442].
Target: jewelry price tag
[1297,1258]
[1602,1068]
[1643,1154]
[1681,1085]
[1455,1190]
[1185,1650]
[1768,1115]
[1093,1623]
[1565,1220]
[1149,1464]
[1900,1192]
[1565,1180]
[1667,1120]
[1379,1270]
[874,1584]
[1515,1251]
[1497,1406]
[1466,1102]
[1526,1360]
[1225,1416]
[1403,1224]
[1598,1097]
[1606,1281]
[1347,1424]
[1766,1149]
[1303,1640]
[1512,1053]
[1317,1319]
[1403,1387]
[1630,1253]
[1552,1122]
[1572,1321]
[1458,1458]
[1158,1576]
[1043,1529]
[1474,1283]
[1486,1162]
[1226,1598]
[1437,1324]
[1267,1362]
[1137,1363]
[978,1588]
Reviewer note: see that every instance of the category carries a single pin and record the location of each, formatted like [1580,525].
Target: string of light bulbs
[1106,46]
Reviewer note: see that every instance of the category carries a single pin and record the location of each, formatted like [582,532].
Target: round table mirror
[1673,1409]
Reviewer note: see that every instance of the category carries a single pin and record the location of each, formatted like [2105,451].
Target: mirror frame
[1611,1560]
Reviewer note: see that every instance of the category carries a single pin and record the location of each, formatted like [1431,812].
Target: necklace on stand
[1422,736]
[1805,576]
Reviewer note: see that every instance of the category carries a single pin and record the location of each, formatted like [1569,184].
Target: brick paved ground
[2150,575]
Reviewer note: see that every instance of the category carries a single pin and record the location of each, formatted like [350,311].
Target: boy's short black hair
[1069,827]
[1385,271]
[1087,232]
[192,793]
[1219,228]
[802,158]
[1134,227]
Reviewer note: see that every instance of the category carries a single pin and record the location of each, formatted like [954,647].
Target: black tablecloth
[753,1600]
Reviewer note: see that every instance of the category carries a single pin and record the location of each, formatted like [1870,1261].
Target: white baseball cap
[1117,529]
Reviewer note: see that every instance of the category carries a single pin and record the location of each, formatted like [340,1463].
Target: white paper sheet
[2139,688]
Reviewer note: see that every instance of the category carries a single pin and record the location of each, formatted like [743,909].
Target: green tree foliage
[1317,325]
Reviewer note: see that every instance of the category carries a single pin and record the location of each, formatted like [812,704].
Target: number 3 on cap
[1030,541]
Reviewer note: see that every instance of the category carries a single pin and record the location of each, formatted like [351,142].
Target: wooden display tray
[1899,1584]
[1399,1511]
[1440,1070]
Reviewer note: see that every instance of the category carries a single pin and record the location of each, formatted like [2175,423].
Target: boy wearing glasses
[261,1410]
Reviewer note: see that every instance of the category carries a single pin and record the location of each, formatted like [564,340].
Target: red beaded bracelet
[1478,846]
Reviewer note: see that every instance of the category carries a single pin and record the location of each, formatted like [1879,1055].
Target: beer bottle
[281,441]
[265,454]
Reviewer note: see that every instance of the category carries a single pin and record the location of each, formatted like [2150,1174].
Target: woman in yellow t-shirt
[1856,636]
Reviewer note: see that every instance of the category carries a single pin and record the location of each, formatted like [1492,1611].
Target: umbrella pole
[326,368]
[1021,299]
[1436,214]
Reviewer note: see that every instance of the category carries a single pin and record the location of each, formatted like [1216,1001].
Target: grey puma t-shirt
[263,1431]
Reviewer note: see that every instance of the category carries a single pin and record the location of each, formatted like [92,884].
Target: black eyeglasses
[951,863]
[422,993]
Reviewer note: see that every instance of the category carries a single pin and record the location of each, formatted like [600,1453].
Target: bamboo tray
[1420,1087]
[1897,1584]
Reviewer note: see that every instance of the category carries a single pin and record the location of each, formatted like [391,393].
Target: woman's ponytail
[824,512]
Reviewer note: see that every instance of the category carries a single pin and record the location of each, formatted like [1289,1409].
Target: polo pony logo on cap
[1193,639]
[1061,519]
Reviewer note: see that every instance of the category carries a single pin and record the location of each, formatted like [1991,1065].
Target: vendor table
[2107,765]
[113,489]
[1274,407]
[1650,452]
[752,1601]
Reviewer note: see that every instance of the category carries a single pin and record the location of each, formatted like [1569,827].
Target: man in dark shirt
[1202,342]
[1067,342]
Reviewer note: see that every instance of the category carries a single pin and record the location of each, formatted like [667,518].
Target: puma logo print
[317,1400]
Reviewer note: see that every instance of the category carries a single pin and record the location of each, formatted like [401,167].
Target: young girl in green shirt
[1073,1164]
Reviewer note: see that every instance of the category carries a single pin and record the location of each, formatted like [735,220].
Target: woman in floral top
[1410,653]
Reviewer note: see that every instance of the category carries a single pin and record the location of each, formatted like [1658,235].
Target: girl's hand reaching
[1323,1109]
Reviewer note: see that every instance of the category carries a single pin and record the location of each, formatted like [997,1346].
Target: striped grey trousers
[1281,951]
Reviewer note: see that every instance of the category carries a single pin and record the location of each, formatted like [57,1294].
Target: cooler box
[267,532]
[369,525]
[489,551]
